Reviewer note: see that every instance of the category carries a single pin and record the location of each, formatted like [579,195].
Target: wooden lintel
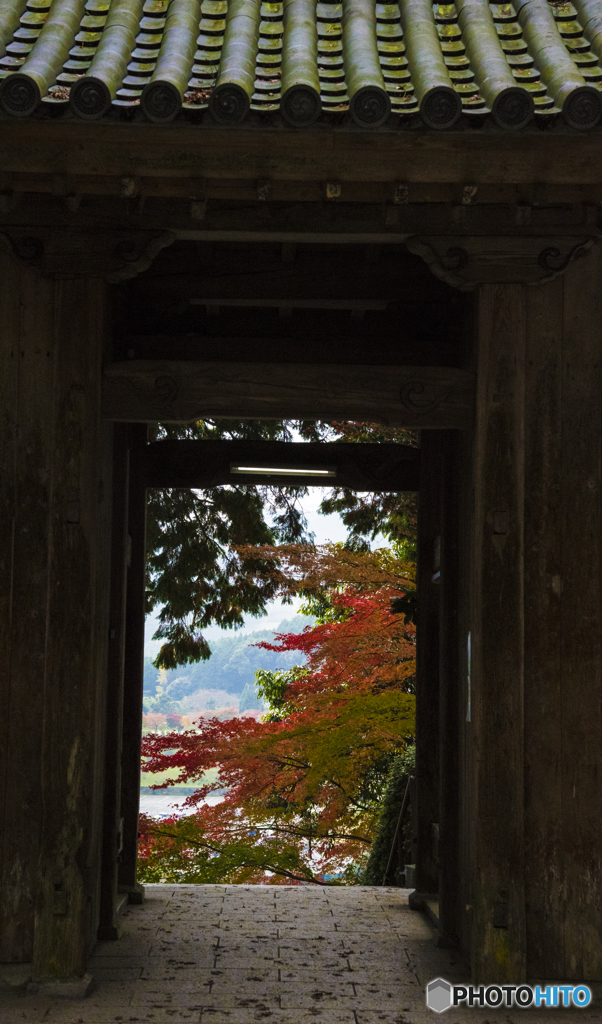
[360,467]
[112,149]
[320,347]
[121,239]
[175,392]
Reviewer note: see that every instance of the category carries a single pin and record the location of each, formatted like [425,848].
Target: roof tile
[509,60]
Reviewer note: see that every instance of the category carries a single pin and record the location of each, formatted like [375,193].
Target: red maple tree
[300,789]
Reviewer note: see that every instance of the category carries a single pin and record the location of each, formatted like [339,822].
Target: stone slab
[63,988]
[14,976]
[240,954]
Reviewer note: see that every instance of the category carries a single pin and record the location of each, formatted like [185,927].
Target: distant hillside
[232,666]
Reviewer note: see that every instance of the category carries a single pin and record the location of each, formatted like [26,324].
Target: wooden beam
[169,391]
[361,467]
[114,148]
[296,220]
[350,346]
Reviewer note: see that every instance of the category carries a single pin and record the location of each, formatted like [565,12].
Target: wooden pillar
[27,370]
[133,669]
[449,697]
[544,870]
[76,630]
[496,817]
[110,902]
[533,819]
[426,813]
[53,619]
[563,626]
[581,620]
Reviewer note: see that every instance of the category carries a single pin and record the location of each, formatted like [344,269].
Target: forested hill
[232,666]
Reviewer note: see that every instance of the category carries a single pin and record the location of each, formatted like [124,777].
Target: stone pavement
[214,954]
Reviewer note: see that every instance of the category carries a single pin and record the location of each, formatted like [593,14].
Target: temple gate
[353,211]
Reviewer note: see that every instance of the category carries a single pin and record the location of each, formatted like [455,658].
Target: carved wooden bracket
[464,262]
[23,249]
[112,255]
[136,255]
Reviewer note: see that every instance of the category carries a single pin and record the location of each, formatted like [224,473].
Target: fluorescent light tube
[326,471]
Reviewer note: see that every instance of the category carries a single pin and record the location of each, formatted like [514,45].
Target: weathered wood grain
[426,813]
[498,927]
[220,191]
[33,470]
[13,905]
[361,467]
[433,397]
[450,780]
[102,676]
[581,622]
[563,568]
[108,927]
[71,777]
[133,668]
[367,214]
[466,261]
[463,891]
[544,862]
[320,153]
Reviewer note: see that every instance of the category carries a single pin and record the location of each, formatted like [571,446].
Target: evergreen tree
[194,572]
[382,869]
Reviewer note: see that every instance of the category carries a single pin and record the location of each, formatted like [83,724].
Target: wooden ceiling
[291,303]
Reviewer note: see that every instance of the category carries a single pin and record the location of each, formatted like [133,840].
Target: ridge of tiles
[304,58]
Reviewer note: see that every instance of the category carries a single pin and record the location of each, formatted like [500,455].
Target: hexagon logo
[438,995]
